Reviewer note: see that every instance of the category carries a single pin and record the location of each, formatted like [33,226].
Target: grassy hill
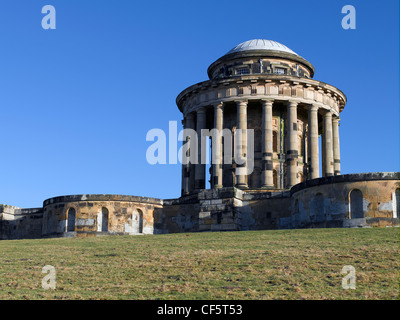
[279,264]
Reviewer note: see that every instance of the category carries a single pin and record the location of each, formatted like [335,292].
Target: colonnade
[194,175]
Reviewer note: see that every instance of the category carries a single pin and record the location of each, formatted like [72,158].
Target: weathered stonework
[17,223]
[81,215]
[334,201]
[96,214]
[260,85]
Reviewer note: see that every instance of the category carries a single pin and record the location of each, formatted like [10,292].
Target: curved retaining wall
[352,200]
[88,215]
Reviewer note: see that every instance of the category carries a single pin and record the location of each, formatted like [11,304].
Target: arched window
[104,219]
[71,220]
[356,204]
[396,203]
[140,221]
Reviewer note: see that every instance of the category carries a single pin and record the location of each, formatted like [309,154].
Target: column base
[199,184]
[268,187]
[241,186]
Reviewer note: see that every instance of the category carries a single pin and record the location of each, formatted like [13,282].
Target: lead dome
[260,56]
[261,44]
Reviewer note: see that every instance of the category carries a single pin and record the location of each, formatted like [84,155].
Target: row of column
[330,146]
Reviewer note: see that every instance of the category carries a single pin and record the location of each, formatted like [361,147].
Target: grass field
[279,264]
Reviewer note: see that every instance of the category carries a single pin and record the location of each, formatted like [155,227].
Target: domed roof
[261,44]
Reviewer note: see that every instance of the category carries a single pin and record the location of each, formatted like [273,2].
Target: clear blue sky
[76,102]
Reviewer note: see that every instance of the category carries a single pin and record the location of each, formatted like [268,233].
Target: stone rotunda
[265,86]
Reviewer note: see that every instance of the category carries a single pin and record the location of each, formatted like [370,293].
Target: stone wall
[317,203]
[17,223]
[225,209]
[265,209]
[178,215]
[353,200]
[89,215]
[80,215]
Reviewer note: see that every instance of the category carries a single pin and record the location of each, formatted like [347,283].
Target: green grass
[278,264]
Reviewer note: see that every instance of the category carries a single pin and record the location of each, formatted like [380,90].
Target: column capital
[218,105]
[267,101]
[327,112]
[335,119]
[313,107]
[242,102]
[292,103]
[189,116]
[201,110]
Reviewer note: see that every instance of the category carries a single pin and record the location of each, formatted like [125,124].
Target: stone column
[328,145]
[241,181]
[200,172]
[185,178]
[217,145]
[336,145]
[267,179]
[189,124]
[292,152]
[313,145]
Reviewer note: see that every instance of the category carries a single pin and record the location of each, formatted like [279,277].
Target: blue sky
[76,102]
